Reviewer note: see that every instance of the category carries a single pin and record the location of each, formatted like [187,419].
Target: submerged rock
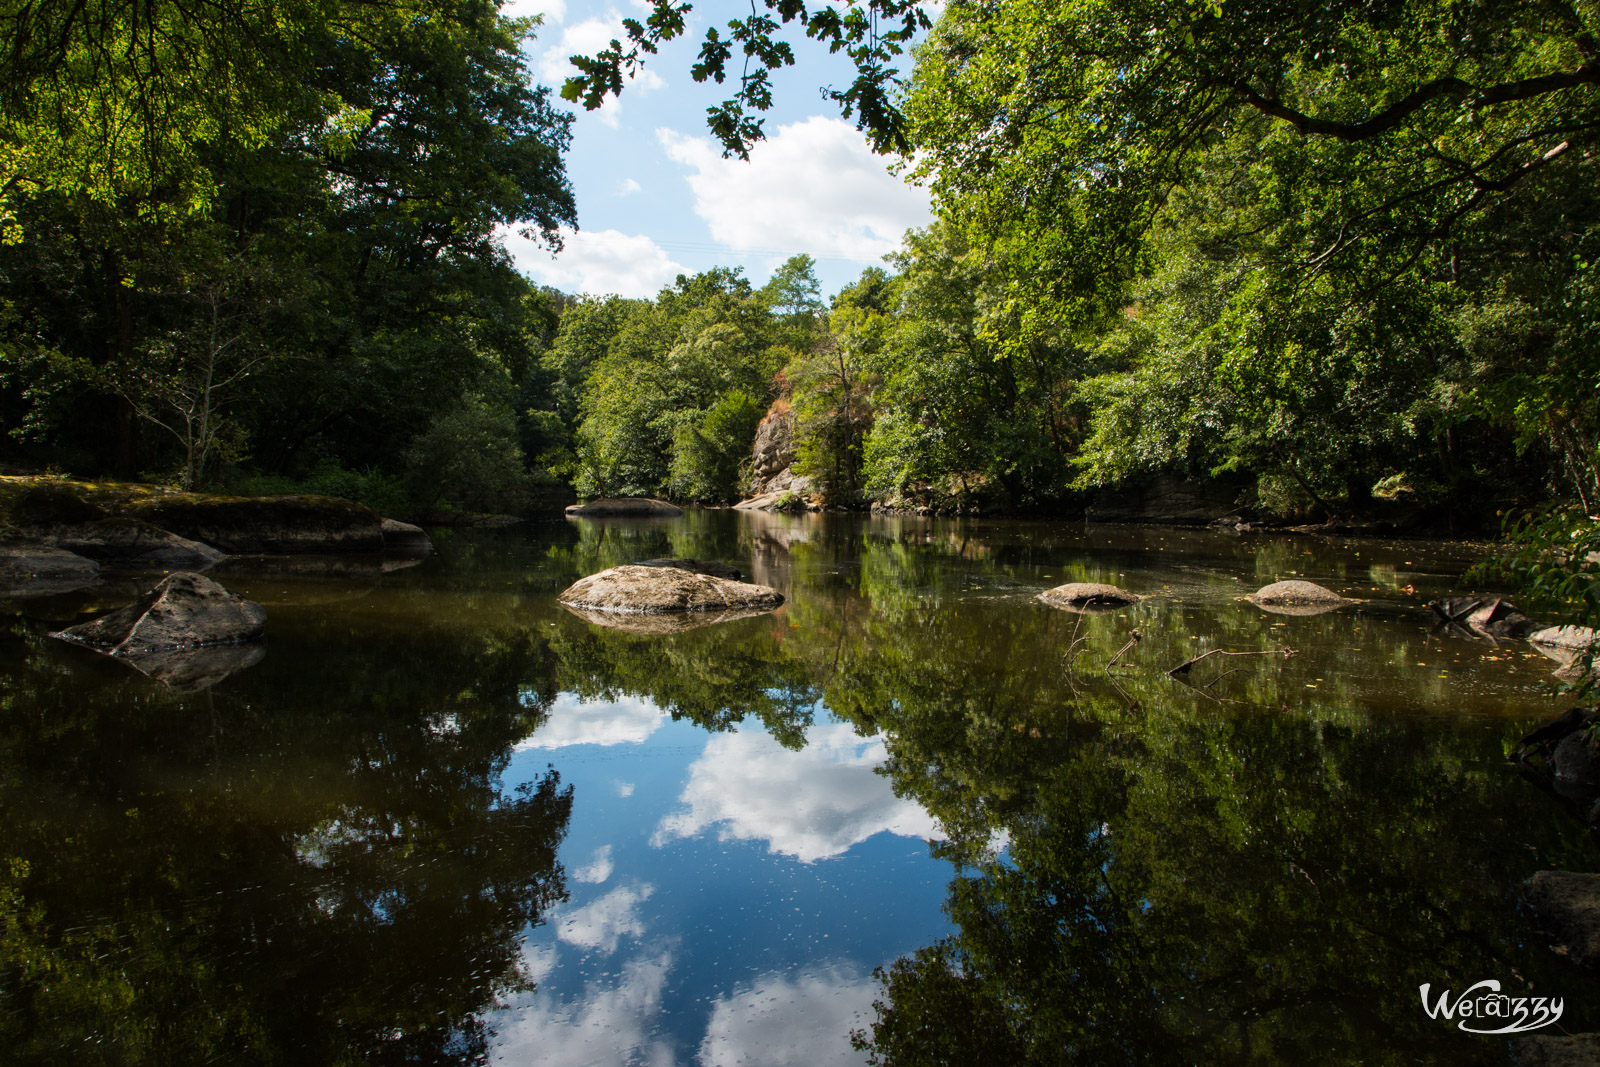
[1088,596]
[1295,597]
[183,611]
[134,542]
[699,566]
[1566,905]
[657,590]
[641,507]
[32,570]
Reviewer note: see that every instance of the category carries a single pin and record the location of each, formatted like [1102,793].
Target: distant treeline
[260,254]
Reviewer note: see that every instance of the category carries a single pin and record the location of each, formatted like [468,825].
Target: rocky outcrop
[772,455]
[1295,597]
[698,566]
[636,507]
[779,499]
[182,611]
[1566,906]
[266,525]
[659,590]
[133,543]
[35,570]
[1570,639]
[1564,754]
[1088,596]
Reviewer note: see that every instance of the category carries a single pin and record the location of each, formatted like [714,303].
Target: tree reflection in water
[306,867]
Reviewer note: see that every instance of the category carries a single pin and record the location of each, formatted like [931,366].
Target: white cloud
[602,924]
[597,263]
[609,1026]
[628,187]
[577,722]
[554,11]
[624,789]
[810,804]
[783,1022]
[814,186]
[597,869]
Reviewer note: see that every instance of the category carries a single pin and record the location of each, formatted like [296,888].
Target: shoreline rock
[39,570]
[642,507]
[698,566]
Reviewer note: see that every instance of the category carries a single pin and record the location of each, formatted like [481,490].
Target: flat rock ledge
[1566,906]
[183,611]
[635,589]
[133,542]
[1555,1050]
[699,566]
[639,507]
[1573,639]
[1295,597]
[1079,596]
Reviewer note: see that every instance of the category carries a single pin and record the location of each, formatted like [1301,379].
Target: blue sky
[656,198]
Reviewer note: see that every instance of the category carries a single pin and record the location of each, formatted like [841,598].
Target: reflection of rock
[404,539]
[1296,598]
[655,590]
[631,506]
[266,524]
[698,566]
[1565,754]
[184,610]
[35,570]
[135,543]
[1566,906]
[664,623]
[1088,596]
[188,670]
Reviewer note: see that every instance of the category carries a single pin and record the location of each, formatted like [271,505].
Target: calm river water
[444,820]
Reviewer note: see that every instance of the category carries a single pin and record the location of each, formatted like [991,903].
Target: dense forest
[1330,256]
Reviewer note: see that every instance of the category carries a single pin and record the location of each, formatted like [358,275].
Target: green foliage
[707,455]
[385,493]
[468,457]
[871,32]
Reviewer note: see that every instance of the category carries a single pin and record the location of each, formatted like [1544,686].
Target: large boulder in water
[266,525]
[184,610]
[1295,597]
[633,507]
[1088,596]
[699,566]
[659,590]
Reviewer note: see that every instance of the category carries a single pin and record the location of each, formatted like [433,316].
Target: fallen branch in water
[1134,637]
[1183,668]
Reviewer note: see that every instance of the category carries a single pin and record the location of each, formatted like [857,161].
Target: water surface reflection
[444,819]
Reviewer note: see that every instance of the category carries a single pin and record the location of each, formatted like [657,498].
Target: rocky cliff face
[773,453]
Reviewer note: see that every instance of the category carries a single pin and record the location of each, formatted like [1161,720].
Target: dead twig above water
[1134,637]
[1183,668]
